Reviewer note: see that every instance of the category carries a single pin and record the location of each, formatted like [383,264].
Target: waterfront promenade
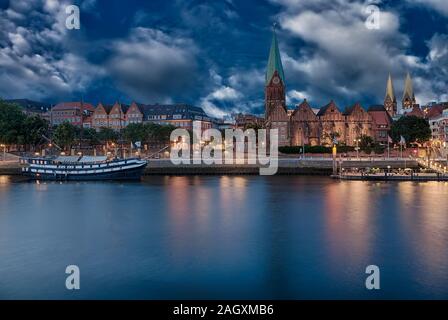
[286,165]
[309,165]
[384,176]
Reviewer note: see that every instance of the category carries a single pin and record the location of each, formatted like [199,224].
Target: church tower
[276,114]
[390,101]
[275,79]
[408,95]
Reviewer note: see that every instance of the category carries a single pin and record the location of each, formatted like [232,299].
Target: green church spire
[275,61]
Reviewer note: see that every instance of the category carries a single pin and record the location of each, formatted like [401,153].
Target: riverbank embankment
[287,166]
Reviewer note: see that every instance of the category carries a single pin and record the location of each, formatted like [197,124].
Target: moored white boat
[79,168]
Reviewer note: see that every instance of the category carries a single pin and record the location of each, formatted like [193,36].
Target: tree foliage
[412,128]
[108,135]
[35,128]
[89,136]
[11,123]
[329,138]
[17,128]
[135,132]
[366,144]
[148,133]
[64,135]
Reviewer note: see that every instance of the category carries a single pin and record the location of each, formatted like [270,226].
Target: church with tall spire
[408,101]
[390,101]
[409,104]
[305,126]
[275,94]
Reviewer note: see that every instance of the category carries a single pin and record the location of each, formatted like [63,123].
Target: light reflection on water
[224,237]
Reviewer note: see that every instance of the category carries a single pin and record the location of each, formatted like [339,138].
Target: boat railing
[53,161]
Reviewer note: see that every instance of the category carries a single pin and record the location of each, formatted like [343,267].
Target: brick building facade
[119,115]
[75,113]
[303,126]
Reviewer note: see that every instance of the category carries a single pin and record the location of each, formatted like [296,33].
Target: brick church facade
[304,126]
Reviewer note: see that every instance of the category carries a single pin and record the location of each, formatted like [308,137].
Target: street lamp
[357,141]
[4,151]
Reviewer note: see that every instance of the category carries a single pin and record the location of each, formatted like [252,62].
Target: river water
[222,237]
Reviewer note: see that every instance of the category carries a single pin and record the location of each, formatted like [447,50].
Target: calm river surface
[284,237]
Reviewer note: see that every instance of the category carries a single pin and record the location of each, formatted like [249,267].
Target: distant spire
[275,61]
[390,92]
[408,88]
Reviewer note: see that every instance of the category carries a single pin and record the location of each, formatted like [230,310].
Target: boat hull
[125,175]
[122,171]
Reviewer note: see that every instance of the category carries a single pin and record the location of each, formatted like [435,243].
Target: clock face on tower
[276,80]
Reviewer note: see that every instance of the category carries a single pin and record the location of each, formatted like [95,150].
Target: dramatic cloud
[439,5]
[294,97]
[229,96]
[343,59]
[152,65]
[214,53]
[433,84]
[347,59]
[205,15]
[34,59]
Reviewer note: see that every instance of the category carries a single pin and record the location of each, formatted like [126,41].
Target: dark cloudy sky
[213,53]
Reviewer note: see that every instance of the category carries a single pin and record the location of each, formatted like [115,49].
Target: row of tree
[67,135]
[33,132]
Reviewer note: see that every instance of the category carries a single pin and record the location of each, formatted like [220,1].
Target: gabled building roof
[124,107]
[324,109]
[106,107]
[307,111]
[303,105]
[138,105]
[169,111]
[349,110]
[275,61]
